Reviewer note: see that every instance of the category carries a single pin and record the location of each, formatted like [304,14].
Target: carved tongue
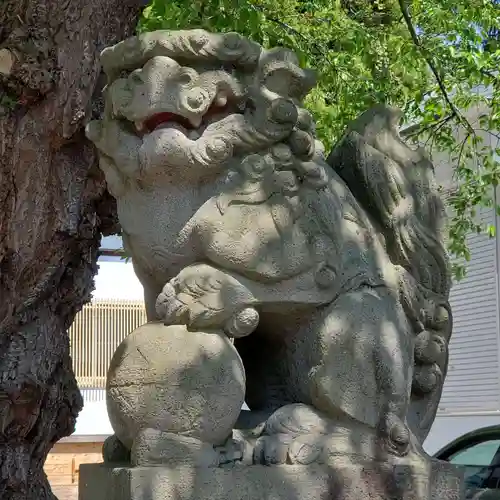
[168,119]
[165,119]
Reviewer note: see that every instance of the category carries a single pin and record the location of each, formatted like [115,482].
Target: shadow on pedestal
[344,481]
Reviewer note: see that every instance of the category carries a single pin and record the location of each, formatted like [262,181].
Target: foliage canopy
[435,59]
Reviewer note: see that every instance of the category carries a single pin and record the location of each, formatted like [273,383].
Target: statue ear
[280,72]
[288,80]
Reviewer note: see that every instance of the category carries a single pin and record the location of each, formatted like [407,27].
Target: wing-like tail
[396,187]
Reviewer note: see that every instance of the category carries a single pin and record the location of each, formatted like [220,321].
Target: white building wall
[471,394]
[115,279]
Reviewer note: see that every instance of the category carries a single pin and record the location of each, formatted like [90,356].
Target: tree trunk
[53,208]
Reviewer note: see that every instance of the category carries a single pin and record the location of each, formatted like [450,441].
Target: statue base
[343,481]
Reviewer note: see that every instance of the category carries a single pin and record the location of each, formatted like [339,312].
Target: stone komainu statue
[328,270]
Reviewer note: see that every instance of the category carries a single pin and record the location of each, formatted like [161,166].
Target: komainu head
[197,97]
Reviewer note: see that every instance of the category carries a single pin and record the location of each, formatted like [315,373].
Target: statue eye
[185,78]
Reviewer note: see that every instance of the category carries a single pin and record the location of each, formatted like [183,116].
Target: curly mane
[396,187]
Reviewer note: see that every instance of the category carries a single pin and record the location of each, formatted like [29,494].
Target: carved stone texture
[114,451]
[344,481]
[328,270]
[187,383]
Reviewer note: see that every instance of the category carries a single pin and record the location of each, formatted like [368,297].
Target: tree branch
[428,58]
[439,125]
[416,129]
[318,50]
[284,25]
[462,148]
[490,132]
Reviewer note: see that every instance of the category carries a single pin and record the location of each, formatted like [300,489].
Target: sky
[115,278]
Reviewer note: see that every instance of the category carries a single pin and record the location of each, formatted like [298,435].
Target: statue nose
[197,100]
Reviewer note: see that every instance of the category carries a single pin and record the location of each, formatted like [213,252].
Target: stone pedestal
[435,481]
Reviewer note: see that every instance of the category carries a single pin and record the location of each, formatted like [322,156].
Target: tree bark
[53,208]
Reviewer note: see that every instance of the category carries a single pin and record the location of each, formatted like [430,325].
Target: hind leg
[366,363]
[355,361]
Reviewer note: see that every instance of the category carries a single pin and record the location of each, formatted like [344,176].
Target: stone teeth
[221,100]
[139,126]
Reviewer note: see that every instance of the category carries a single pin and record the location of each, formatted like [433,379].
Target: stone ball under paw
[174,380]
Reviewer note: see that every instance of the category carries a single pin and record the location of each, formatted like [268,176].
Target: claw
[242,323]
[93,131]
[272,450]
[168,306]
[258,451]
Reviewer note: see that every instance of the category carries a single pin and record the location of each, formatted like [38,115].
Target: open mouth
[173,120]
[165,119]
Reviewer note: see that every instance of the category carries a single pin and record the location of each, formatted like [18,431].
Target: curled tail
[396,187]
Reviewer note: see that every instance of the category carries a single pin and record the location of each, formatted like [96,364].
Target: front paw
[396,435]
[105,134]
[201,296]
[115,141]
[278,449]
